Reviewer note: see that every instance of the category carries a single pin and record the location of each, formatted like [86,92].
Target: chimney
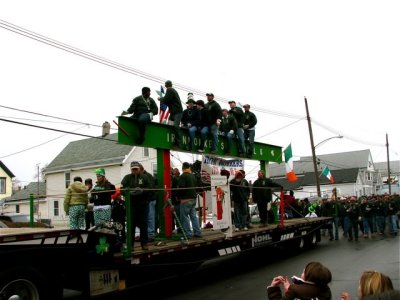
[106,129]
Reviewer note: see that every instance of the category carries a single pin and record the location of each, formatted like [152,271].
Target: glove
[189,125]
[231,131]
[245,126]
[218,122]
[151,116]
[124,112]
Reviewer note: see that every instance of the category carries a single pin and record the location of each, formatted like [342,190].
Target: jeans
[240,135]
[229,137]
[214,133]
[188,215]
[392,224]
[139,215]
[336,223]
[176,121]
[249,135]
[380,224]
[143,119]
[192,133]
[349,226]
[367,222]
[240,211]
[151,222]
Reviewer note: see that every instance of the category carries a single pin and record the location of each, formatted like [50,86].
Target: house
[6,177]
[354,173]
[382,167]
[19,202]
[81,158]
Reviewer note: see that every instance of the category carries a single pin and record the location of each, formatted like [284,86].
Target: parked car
[15,220]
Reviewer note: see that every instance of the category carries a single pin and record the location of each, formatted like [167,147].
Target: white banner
[212,165]
[220,202]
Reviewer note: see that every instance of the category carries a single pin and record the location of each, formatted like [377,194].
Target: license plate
[102,282]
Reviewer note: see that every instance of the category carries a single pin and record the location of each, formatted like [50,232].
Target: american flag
[164,111]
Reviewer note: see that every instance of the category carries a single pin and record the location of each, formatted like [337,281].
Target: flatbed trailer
[41,264]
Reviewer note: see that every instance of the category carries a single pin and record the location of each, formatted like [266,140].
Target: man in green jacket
[249,126]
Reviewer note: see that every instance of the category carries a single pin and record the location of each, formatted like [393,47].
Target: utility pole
[388,164]
[313,149]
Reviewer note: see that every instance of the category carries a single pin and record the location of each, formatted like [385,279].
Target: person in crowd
[371,283]
[75,203]
[262,195]
[143,108]
[173,101]
[191,120]
[238,114]
[249,126]
[290,202]
[335,212]
[214,120]
[306,206]
[204,123]
[366,212]
[392,209]
[380,214]
[89,217]
[313,284]
[228,129]
[118,214]
[152,195]
[326,211]
[240,192]
[138,187]
[101,197]
[187,195]
[351,214]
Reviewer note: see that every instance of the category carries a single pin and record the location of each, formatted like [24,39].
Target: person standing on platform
[262,195]
[75,203]
[138,187]
[238,114]
[240,193]
[214,115]
[89,217]
[101,195]
[187,195]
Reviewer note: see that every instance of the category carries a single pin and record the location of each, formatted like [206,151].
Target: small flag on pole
[291,176]
[164,110]
[327,173]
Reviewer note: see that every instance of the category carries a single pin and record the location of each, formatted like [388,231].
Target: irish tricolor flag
[327,173]
[291,176]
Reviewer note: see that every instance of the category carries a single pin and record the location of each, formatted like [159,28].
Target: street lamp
[315,161]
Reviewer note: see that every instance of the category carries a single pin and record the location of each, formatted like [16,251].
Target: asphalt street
[247,277]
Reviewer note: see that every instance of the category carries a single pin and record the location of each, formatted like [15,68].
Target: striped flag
[164,110]
[291,176]
[327,173]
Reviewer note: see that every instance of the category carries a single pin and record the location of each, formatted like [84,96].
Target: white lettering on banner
[259,240]
[220,203]
[287,236]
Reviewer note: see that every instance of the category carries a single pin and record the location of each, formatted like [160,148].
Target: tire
[27,283]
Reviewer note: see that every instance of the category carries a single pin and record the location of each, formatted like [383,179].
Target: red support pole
[167,193]
[204,208]
[282,208]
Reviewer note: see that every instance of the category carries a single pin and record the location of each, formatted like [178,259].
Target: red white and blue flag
[164,110]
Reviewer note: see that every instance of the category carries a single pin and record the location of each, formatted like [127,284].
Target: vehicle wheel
[27,284]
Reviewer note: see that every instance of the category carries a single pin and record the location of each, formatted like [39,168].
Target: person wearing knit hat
[187,196]
[101,197]
[240,193]
[191,120]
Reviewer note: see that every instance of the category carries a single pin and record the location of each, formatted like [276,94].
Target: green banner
[161,136]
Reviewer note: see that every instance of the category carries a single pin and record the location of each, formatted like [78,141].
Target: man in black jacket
[173,101]
[143,108]
[249,123]
[262,195]
[138,186]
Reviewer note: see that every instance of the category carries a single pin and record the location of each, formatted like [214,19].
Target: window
[17,209]
[154,167]
[56,209]
[368,176]
[67,179]
[146,152]
[2,185]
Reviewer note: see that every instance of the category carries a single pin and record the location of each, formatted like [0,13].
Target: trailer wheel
[26,284]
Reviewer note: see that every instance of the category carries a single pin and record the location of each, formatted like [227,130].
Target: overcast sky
[342,55]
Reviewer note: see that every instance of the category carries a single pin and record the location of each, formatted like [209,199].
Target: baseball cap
[232,101]
[246,105]
[210,94]
[135,164]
